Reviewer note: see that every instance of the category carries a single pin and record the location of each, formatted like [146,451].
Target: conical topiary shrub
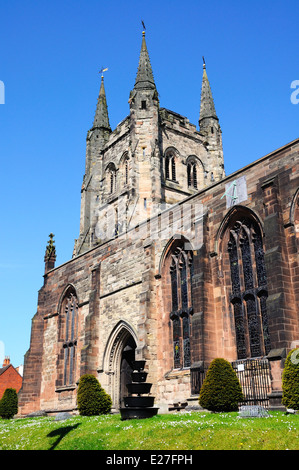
[290,380]
[92,399]
[221,389]
[9,403]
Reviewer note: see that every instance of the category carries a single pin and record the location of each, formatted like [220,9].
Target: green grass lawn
[182,431]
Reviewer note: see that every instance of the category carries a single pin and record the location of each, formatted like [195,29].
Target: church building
[175,263]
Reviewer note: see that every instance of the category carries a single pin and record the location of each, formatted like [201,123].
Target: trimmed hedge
[290,380]
[92,400]
[221,389]
[9,403]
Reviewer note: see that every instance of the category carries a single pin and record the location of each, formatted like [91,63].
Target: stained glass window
[253,327]
[184,285]
[176,342]
[263,308]
[186,341]
[234,265]
[174,287]
[248,274]
[240,329]
[246,260]
[181,272]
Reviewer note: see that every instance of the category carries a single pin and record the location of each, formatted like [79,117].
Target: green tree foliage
[9,403]
[290,380]
[221,389]
[92,399]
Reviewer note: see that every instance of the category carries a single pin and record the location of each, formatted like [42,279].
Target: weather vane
[143,25]
[103,70]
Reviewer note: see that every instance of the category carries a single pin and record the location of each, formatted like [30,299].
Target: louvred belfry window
[170,167]
[249,289]
[181,271]
[192,174]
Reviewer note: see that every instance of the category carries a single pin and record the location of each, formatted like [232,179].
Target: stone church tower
[155,157]
[175,263]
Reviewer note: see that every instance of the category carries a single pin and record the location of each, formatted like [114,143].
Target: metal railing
[254,377]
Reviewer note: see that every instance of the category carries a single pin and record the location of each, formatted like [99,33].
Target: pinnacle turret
[101,119]
[207,107]
[50,254]
[144,78]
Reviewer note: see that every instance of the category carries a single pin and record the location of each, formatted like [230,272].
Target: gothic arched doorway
[118,357]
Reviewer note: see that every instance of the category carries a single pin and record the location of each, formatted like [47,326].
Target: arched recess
[241,258]
[120,349]
[176,321]
[68,315]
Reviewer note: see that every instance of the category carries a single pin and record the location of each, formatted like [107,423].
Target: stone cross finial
[50,255]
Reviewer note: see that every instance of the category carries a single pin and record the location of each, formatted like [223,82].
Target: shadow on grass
[61,433]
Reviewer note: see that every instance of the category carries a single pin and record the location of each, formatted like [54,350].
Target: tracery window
[170,167]
[249,289]
[181,271]
[68,335]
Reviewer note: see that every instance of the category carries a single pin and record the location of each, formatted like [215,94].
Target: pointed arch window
[170,166]
[181,279]
[68,339]
[249,289]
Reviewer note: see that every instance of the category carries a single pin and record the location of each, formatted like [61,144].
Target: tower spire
[207,107]
[144,78]
[101,119]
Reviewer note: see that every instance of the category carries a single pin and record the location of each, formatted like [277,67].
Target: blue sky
[50,56]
